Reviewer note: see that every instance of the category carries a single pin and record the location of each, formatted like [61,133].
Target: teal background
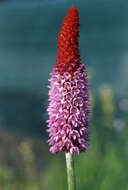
[28,50]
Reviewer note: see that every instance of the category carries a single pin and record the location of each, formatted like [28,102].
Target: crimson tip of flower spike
[73,12]
[68,59]
[73,9]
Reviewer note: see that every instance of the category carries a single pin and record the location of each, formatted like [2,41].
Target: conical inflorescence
[68,95]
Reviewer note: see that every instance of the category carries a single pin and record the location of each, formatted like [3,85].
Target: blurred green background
[28,50]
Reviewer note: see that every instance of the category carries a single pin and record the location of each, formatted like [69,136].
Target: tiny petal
[74,150]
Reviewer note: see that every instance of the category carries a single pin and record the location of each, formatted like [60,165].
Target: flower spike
[68,95]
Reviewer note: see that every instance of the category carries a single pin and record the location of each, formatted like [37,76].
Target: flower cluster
[68,95]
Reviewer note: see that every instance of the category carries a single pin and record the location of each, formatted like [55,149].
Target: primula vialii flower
[68,95]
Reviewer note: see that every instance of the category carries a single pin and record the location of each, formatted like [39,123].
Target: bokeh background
[28,50]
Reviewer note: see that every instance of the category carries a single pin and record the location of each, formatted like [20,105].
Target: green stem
[70,171]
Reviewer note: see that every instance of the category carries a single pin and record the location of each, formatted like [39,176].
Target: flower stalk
[69,102]
[70,171]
